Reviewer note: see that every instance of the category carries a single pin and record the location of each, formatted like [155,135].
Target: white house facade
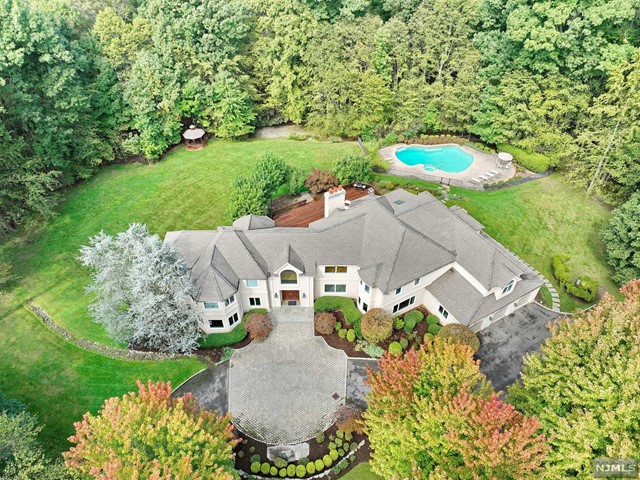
[395,252]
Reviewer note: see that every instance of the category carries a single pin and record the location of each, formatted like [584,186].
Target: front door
[290,297]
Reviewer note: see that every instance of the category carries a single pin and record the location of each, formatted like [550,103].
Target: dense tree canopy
[123,78]
[622,239]
[583,386]
[432,414]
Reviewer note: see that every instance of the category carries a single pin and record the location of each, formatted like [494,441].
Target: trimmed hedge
[215,340]
[587,288]
[459,333]
[395,349]
[536,162]
[434,329]
[346,305]
[411,319]
[432,319]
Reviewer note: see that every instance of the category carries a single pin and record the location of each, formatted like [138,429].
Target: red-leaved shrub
[325,323]
[259,326]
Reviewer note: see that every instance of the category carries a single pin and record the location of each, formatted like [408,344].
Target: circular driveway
[286,389]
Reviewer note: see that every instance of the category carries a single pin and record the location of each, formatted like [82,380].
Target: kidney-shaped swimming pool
[448,158]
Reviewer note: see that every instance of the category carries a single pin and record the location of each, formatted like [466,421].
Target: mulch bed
[250,446]
[334,340]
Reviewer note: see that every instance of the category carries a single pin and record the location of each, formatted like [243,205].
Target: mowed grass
[59,382]
[543,218]
[361,472]
[184,191]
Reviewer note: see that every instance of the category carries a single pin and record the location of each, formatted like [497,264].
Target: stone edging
[95,347]
[319,475]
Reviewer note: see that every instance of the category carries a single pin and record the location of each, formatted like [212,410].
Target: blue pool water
[449,158]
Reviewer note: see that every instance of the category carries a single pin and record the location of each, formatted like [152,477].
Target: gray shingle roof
[394,239]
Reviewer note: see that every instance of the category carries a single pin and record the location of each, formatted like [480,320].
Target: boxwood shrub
[411,319]
[351,335]
[395,348]
[283,472]
[311,468]
[291,470]
[273,471]
[319,465]
[255,467]
[346,305]
[327,461]
[586,287]
[404,343]
[432,319]
[301,471]
[265,468]
[434,328]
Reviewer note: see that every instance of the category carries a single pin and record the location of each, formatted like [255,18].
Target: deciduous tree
[150,434]
[622,239]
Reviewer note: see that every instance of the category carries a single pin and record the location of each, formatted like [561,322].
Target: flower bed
[332,452]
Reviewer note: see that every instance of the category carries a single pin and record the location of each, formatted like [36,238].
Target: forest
[88,82]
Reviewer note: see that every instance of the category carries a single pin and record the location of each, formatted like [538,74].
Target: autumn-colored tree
[583,386]
[151,435]
[432,414]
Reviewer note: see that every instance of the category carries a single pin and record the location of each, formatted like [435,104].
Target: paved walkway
[504,343]
[286,389]
[209,388]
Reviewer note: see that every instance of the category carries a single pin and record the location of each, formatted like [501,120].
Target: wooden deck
[304,215]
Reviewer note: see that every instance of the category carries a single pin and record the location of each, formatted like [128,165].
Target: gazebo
[193,138]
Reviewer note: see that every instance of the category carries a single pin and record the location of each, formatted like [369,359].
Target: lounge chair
[474,179]
[483,178]
[494,172]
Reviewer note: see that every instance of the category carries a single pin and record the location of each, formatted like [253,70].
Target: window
[443,312]
[233,319]
[229,300]
[251,283]
[416,282]
[365,307]
[367,288]
[335,269]
[338,288]
[216,324]
[404,304]
[509,287]
[359,301]
[211,305]
[255,301]
[398,291]
[289,277]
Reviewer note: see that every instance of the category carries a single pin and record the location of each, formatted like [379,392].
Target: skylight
[399,202]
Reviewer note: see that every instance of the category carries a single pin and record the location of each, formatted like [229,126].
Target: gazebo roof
[193,133]
[505,157]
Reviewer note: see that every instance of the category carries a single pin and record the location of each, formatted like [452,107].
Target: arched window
[288,277]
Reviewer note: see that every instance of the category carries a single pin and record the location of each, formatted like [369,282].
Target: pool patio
[482,163]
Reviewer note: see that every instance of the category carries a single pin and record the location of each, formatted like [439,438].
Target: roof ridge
[395,260]
[235,232]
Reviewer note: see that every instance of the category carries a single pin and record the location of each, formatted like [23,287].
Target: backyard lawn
[361,472]
[543,218]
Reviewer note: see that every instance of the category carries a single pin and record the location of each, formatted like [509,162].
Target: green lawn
[186,190]
[58,381]
[361,472]
[543,218]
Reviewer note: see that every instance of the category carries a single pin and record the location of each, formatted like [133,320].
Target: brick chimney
[334,198]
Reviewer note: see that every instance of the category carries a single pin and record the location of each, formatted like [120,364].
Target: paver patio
[286,389]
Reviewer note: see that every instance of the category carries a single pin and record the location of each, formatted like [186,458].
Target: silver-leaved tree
[142,290]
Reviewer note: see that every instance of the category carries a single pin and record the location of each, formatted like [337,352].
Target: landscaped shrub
[404,343]
[428,336]
[327,461]
[247,197]
[432,319]
[349,420]
[324,323]
[586,288]
[338,326]
[319,465]
[297,176]
[374,351]
[341,452]
[459,333]
[256,459]
[259,326]
[255,467]
[332,445]
[280,462]
[301,471]
[311,468]
[320,180]
[536,162]
[346,305]
[265,468]
[353,446]
[283,472]
[352,168]
[291,470]
[338,441]
[395,348]
[376,325]
[351,335]
[342,333]
[411,319]
[340,434]
[398,323]
[273,471]
[434,328]
[348,436]
[320,437]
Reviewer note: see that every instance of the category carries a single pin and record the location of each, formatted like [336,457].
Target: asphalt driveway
[504,343]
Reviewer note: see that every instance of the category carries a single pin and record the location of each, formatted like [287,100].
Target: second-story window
[289,277]
[335,269]
[229,300]
[509,287]
[251,283]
